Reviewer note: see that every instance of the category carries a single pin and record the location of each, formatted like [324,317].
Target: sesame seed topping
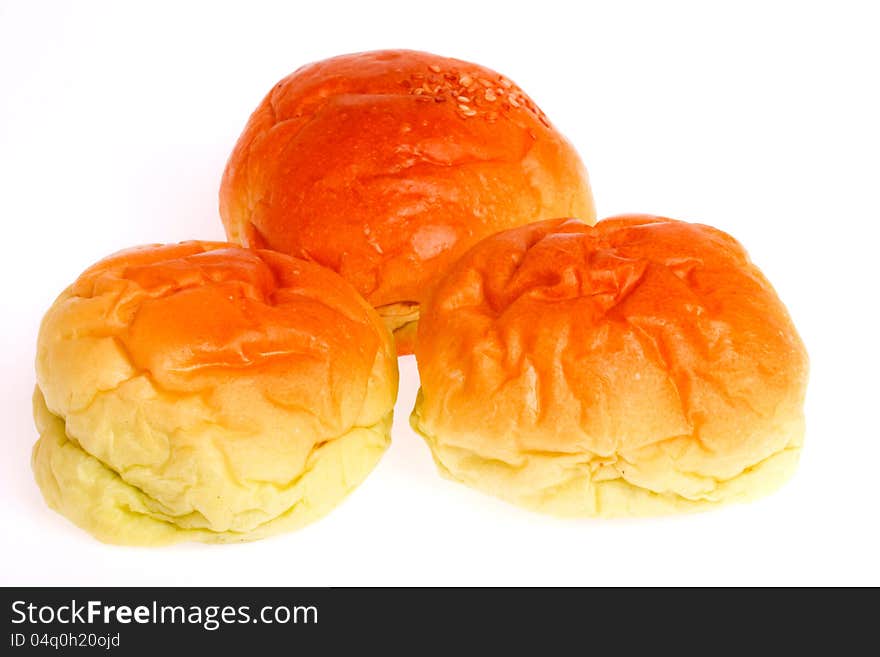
[470,93]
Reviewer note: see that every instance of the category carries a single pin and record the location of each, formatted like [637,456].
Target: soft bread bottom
[405,338]
[99,500]
[402,319]
[587,485]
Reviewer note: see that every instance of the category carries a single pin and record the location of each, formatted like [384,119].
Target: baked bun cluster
[201,391]
[386,166]
[391,201]
[639,366]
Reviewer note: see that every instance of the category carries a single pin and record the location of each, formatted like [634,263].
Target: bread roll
[386,166]
[201,391]
[641,366]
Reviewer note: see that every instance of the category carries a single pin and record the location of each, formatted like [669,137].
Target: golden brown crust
[651,349]
[387,165]
[206,384]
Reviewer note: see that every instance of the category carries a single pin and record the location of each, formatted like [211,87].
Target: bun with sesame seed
[639,366]
[386,166]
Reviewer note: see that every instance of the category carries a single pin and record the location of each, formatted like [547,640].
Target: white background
[760,118]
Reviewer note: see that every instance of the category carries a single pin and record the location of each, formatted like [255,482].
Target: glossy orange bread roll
[386,166]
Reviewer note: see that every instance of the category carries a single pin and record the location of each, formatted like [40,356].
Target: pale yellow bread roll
[202,391]
[641,366]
